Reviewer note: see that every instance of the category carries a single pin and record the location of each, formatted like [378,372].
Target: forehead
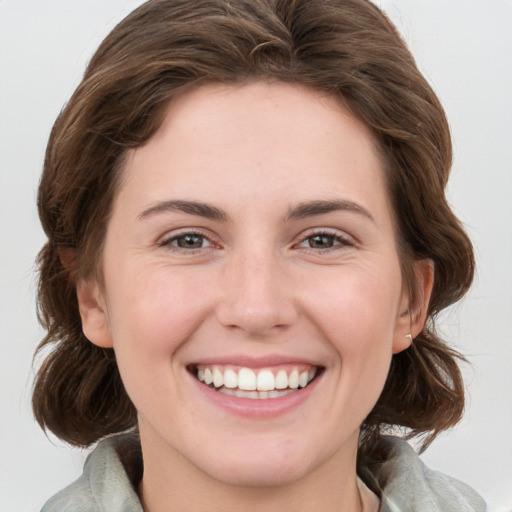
[292,109]
[255,137]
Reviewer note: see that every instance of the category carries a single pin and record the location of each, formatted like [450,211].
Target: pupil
[190,241]
[321,241]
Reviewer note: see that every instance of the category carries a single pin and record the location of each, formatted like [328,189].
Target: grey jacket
[406,484]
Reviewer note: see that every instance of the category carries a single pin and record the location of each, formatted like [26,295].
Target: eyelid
[341,236]
[166,240]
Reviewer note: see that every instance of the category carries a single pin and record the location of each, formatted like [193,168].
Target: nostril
[256,321]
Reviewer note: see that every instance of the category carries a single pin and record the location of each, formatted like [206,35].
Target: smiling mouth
[260,384]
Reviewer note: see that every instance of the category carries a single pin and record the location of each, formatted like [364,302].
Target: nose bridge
[257,295]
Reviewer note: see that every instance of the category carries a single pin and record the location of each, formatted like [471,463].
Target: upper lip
[253,362]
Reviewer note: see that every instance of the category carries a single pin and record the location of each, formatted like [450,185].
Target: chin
[260,475]
[259,467]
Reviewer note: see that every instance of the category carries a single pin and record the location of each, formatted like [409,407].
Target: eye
[187,241]
[322,241]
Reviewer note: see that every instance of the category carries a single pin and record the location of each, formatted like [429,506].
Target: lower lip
[263,408]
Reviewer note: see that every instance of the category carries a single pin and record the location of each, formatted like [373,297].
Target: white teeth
[246,379]
[255,384]
[265,381]
[250,394]
[255,395]
[303,379]
[277,394]
[230,379]
[208,377]
[218,378]
[281,381]
[293,380]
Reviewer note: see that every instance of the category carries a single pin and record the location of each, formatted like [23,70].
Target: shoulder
[406,484]
[103,486]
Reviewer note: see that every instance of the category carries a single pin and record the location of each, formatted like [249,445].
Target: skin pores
[252,232]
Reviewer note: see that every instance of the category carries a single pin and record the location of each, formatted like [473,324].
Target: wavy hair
[347,48]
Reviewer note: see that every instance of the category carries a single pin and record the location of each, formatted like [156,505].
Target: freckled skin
[255,283]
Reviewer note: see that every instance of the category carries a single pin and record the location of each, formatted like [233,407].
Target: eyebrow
[190,207]
[312,208]
[300,211]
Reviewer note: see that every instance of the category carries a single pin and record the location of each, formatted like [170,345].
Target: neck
[172,482]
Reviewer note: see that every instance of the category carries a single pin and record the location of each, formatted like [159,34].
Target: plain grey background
[464,47]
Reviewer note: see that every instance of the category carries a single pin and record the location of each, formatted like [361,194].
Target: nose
[257,295]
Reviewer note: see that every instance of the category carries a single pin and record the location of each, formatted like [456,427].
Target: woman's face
[251,242]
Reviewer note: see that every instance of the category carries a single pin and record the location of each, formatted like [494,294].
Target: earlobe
[414,313]
[93,313]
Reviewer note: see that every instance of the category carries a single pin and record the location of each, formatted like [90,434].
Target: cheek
[155,306]
[150,317]
[357,313]
[361,303]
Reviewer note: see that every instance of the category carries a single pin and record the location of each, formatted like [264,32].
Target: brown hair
[347,48]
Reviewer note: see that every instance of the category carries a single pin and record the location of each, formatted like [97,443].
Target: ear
[413,313]
[93,313]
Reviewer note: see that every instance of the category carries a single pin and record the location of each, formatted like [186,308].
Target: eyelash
[338,241]
[169,242]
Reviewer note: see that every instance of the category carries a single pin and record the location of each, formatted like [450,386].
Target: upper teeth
[250,380]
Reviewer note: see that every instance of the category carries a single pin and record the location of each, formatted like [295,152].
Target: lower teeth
[256,395]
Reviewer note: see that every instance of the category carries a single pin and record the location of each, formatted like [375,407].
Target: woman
[248,244]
